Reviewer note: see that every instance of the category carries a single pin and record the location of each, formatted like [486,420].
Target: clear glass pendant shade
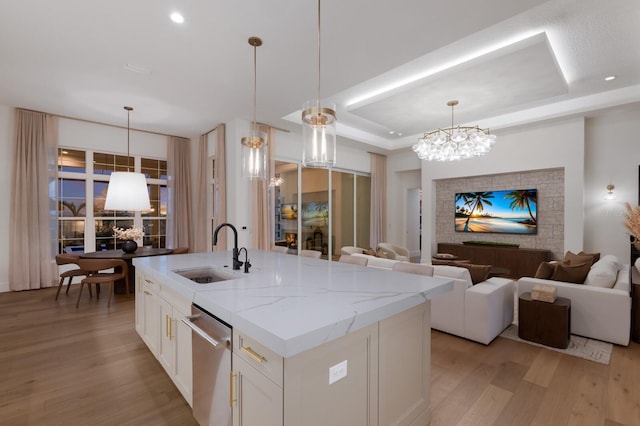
[254,156]
[318,135]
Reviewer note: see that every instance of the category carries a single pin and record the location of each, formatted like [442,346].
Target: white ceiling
[388,65]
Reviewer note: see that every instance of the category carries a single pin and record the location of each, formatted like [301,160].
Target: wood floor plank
[543,368]
[62,366]
[487,407]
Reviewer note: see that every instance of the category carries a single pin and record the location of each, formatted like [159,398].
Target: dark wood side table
[544,322]
[119,286]
[635,312]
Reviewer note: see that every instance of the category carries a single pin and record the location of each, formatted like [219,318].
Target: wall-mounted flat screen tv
[288,211]
[505,212]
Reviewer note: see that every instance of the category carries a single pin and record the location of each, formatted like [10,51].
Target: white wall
[612,156]
[542,146]
[7,115]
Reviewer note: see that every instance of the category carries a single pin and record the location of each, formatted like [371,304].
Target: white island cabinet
[314,342]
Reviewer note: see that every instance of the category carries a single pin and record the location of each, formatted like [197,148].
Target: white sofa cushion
[453,272]
[377,262]
[603,273]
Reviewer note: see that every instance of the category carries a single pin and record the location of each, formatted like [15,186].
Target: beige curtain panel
[179,215]
[220,190]
[378,199]
[200,217]
[33,216]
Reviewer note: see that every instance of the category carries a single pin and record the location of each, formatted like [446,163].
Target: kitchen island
[314,342]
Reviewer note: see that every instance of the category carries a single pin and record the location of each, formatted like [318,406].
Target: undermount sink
[206,275]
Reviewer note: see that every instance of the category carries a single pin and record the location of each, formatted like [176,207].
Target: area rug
[582,347]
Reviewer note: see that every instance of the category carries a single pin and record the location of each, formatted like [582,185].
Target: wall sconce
[610,195]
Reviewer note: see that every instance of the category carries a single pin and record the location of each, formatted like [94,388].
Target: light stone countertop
[292,303]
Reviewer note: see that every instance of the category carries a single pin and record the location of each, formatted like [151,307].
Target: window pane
[155,232]
[286,205]
[104,164]
[70,160]
[71,198]
[105,240]
[71,236]
[363,207]
[314,211]
[342,210]
[158,197]
[154,169]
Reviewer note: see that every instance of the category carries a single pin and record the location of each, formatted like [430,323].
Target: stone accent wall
[550,186]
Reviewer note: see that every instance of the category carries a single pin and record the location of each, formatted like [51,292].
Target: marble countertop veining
[292,303]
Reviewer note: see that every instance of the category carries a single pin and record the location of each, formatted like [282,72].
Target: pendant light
[318,127]
[254,147]
[127,191]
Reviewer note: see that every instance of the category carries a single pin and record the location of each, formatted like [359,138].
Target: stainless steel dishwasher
[211,345]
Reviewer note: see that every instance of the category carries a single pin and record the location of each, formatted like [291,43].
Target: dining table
[120,286]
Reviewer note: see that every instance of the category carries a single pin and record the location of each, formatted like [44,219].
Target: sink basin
[206,275]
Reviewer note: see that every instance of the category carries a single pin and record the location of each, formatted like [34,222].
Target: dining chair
[68,259]
[280,249]
[414,268]
[315,254]
[180,250]
[354,260]
[97,277]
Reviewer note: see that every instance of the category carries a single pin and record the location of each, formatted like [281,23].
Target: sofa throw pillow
[603,273]
[571,273]
[369,251]
[478,273]
[577,259]
[545,270]
[594,256]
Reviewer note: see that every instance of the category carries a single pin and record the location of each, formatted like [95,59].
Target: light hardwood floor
[60,366]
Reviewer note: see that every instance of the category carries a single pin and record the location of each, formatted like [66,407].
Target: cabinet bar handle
[170,327]
[231,399]
[147,293]
[148,281]
[166,325]
[253,354]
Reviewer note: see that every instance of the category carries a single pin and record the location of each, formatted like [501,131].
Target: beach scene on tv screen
[511,212]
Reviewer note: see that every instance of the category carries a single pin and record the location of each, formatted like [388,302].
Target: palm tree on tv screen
[476,201]
[523,199]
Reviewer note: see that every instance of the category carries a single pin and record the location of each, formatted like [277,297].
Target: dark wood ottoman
[544,322]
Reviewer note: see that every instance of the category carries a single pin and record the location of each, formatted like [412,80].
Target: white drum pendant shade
[127,191]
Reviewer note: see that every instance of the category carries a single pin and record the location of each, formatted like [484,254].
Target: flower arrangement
[128,234]
[632,223]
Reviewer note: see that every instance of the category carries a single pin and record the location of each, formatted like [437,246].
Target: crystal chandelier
[254,147]
[454,143]
[318,127]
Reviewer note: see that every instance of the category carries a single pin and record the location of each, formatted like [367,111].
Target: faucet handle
[247,265]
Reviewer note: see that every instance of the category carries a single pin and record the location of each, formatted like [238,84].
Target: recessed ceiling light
[611,77]
[177,18]
[391,132]
[399,134]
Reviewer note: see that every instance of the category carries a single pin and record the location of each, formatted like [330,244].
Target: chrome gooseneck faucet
[236,262]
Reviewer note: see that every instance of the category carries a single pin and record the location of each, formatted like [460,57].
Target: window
[87,226]
[312,220]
